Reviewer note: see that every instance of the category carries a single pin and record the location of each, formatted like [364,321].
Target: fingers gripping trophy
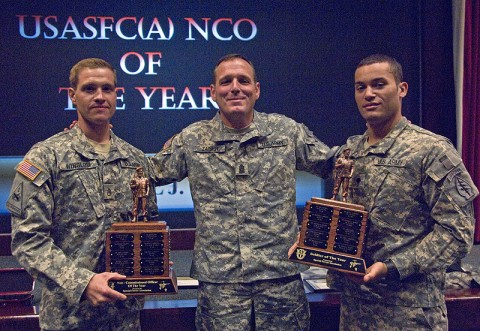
[333,232]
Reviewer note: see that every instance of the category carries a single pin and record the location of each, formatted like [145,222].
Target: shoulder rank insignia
[28,169]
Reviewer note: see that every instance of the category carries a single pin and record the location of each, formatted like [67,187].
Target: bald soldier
[241,167]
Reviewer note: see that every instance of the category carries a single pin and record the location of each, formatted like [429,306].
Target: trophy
[333,232]
[140,250]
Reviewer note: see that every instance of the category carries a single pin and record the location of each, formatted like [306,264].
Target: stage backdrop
[305,54]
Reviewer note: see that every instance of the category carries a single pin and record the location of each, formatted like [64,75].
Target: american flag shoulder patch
[28,169]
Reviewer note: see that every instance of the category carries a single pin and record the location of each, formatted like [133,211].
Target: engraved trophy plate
[333,233]
[140,250]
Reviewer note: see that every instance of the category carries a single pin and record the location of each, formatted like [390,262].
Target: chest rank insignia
[241,170]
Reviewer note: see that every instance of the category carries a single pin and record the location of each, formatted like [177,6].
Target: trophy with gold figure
[140,249]
[333,232]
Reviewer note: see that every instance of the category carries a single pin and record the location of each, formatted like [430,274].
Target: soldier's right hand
[98,291]
[294,246]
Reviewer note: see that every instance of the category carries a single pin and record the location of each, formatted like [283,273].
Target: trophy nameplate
[140,251]
[332,236]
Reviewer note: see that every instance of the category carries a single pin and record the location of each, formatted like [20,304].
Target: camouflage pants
[357,314]
[108,317]
[274,304]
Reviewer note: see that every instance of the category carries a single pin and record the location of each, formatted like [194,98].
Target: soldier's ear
[71,94]
[403,89]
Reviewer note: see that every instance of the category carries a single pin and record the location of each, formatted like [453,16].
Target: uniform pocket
[394,199]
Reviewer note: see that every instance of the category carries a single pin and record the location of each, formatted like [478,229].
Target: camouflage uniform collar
[383,145]
[261,121]
[81,145]
[117,150]
[220,132]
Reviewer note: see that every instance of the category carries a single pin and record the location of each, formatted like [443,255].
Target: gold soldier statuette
[342,173]
[140,186]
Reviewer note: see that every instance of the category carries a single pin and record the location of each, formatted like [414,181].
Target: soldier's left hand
[375,271]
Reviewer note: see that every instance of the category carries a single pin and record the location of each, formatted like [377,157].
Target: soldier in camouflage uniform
[419,198]
[241,168]
[67,192]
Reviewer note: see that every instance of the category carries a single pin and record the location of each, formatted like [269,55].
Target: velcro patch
[77,165]
[272,143]
[211,149]
[129,164]
[390,162]
[462,186]
[28,169]
[14,202]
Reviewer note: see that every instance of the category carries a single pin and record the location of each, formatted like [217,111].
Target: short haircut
[90,63]
[230,57]
[395,66]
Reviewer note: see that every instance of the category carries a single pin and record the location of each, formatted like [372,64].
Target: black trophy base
[329,260]
[145,285]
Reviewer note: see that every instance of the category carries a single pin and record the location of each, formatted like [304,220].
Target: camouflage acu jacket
[243,189]
[419,196]
[64,198]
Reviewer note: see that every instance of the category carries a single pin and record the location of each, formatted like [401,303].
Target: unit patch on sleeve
[464,191]
[14,203]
